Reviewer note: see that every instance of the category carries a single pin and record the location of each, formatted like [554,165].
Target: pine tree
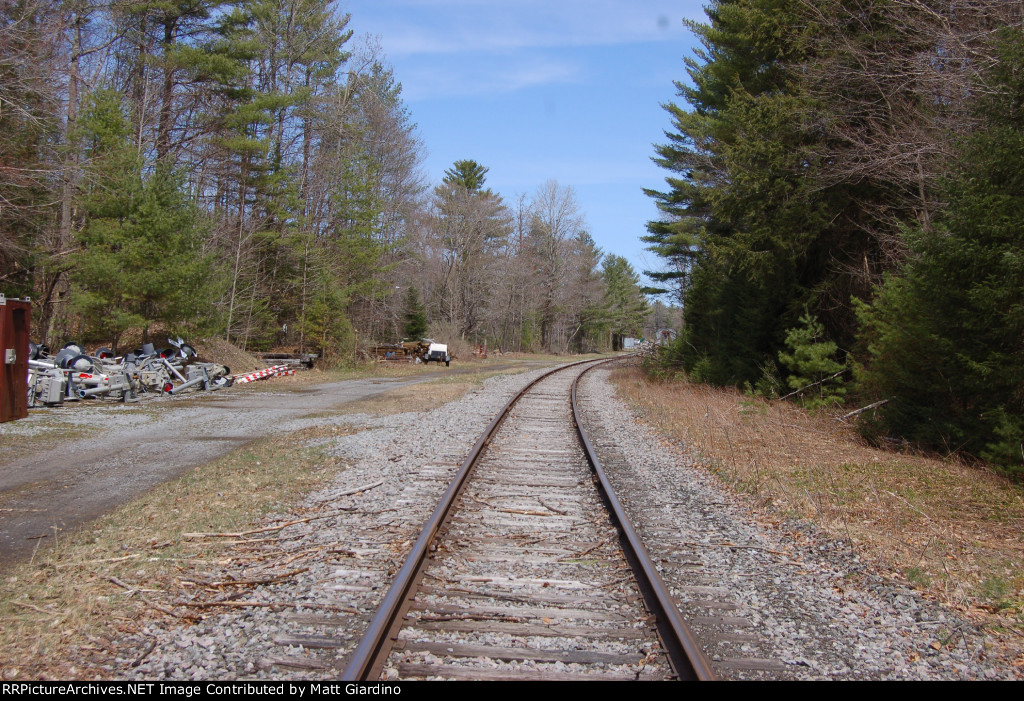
[415,315]
[467,173]
[811,359]
[626,306]
[746,231]
[944,340]
[141,261]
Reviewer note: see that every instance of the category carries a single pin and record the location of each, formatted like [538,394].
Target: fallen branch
[149,601]
[869,407]
[145,653]
[93,562]
[590,550]
[248,582]
[35,608]
[551,508]
[821,381]
[357,490]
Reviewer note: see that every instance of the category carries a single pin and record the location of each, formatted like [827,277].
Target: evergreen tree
[470,226]
[747,232]
[141,259]
[467,173]
[815,373]
[415,315]
[627,308]
[944,340]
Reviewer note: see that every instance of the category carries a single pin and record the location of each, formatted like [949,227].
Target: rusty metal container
[14,331]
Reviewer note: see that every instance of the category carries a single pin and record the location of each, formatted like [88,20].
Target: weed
[994,590]
[917,577]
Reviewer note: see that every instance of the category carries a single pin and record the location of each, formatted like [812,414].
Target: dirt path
[60,468]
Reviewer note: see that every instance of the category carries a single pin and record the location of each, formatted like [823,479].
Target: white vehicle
[439,353]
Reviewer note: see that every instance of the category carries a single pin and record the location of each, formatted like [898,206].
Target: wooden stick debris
[268,529]
[93,562]
[844,417]
[551,508]
[152,603]
[357,490]
[589,550]
[248,582]
[34,608]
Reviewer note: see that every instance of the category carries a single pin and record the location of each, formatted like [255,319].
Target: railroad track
[525,570]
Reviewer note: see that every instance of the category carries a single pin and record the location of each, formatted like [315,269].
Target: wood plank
[706,604]
[534,480]
[291,663]
[752,663]
[344,572]
[407,670]
[527,524]
[531,544]
[534,515]
[351,588]
[509,654]
[734,621]
[567,600]
[527,629]
[713,638]
[710,591]
[517,612]
[552,560]
[315,619]
[311,642]
[515,583]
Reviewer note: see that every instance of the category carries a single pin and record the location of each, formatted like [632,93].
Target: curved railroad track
[526,571]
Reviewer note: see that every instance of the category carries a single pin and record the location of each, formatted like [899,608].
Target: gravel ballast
[769,603]
[303,627]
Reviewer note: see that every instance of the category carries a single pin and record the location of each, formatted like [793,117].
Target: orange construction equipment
[14,322]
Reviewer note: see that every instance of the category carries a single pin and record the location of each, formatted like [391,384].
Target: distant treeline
[845,213]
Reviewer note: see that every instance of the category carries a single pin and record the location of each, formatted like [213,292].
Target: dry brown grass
[946,528]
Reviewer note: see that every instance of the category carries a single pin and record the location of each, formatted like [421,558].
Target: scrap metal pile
[71,374]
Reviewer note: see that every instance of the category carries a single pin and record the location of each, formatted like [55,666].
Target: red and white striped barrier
[286,373]
[260,374]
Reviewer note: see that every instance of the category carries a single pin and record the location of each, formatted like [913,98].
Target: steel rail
[368,659]
[684,653]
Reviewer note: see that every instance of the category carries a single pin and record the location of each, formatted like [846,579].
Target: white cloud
[448,78]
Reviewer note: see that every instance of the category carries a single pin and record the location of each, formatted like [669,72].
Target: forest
[843,219]
[248,169]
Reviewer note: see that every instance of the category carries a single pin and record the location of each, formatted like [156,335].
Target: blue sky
[568,90]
